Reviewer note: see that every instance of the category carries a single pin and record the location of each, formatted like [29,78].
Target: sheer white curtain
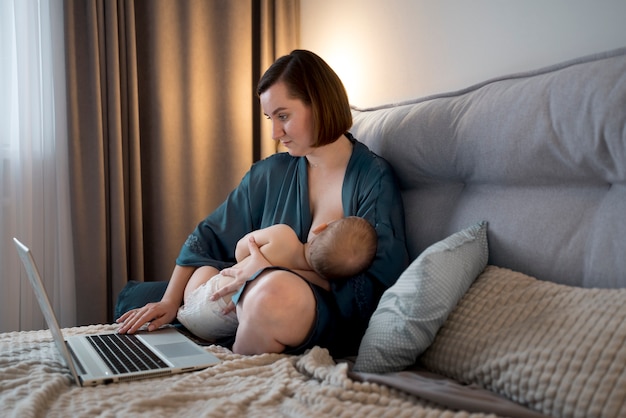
[34,178]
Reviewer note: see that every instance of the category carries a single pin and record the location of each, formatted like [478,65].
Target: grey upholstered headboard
[541,156]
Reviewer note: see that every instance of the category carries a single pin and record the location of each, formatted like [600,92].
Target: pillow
[557,349]
[411,311]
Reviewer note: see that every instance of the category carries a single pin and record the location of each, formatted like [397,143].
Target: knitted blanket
[35,383]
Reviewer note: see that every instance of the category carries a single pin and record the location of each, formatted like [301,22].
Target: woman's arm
[371,192]
[159,313]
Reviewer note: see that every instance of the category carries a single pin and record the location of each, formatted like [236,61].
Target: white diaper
[204,317]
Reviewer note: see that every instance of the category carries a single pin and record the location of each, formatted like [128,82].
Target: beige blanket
[35,383]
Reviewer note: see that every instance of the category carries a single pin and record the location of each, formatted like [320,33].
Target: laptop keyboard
[125,353]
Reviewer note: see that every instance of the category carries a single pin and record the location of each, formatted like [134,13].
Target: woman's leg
[275,311]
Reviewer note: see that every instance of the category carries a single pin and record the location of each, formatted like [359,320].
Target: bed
[514,304]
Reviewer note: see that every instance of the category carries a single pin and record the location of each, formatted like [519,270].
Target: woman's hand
[241,272]
[154,314]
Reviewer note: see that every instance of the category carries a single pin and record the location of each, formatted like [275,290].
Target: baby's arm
[279,244]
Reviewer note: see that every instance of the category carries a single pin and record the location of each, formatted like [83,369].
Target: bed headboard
[541,156]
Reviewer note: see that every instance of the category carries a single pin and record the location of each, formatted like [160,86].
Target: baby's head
[342,249]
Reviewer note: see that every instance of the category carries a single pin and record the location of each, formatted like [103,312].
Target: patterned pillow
[557,349]
[411,311]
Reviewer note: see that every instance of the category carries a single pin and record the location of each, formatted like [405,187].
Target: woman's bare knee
[278,311]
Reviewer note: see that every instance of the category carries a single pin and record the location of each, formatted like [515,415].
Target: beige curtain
[163,123]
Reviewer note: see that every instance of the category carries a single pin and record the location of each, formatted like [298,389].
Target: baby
[339,249]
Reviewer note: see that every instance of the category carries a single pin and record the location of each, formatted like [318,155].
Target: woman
[326,174]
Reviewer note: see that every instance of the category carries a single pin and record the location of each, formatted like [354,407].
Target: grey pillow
[556,349]
[411,311]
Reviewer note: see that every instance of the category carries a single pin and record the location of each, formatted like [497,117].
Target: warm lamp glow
[349,66]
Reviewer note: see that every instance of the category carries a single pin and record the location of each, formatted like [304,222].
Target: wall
[394,50]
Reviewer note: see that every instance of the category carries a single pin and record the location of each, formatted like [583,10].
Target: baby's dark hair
[344,249]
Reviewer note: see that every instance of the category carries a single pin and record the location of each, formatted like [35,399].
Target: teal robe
[275,190]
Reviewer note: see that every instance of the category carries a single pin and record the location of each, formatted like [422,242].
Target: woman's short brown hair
[310,79]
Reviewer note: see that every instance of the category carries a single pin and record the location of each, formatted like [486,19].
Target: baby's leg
[198,278]
[204,317]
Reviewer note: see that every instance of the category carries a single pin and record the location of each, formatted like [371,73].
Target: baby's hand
[242,272]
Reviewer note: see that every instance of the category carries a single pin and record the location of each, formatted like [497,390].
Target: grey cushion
[556,349]
[410,312]
[541,156]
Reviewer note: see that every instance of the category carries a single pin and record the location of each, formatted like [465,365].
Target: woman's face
[292,119]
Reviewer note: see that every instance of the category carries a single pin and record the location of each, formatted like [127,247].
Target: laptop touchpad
[177,349]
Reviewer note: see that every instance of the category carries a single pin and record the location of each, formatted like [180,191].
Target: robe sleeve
[213,241]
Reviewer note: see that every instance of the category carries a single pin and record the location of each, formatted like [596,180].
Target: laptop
[112,357]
